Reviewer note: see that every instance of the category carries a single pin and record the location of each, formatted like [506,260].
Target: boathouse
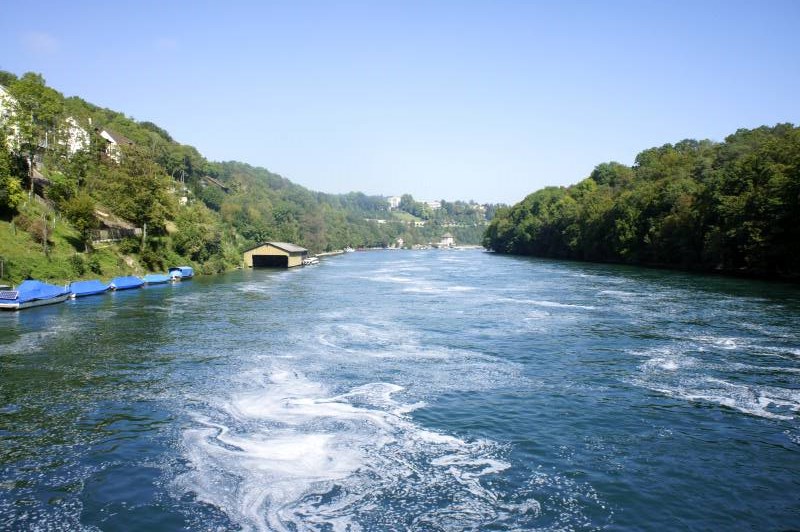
[275,255]
[448,241]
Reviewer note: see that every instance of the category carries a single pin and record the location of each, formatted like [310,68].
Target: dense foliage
[188,209]
[731,207]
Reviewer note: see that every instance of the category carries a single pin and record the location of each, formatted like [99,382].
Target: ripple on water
[709,369]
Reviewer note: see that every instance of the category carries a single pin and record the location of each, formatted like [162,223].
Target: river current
[400,390]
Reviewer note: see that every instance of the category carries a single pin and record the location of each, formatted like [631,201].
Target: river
[400,390]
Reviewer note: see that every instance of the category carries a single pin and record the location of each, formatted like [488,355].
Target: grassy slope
[24,258]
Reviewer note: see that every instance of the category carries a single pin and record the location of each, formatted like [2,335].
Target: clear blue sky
[485,100]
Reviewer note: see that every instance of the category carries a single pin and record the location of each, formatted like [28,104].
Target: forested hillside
[107,194]
[731,207]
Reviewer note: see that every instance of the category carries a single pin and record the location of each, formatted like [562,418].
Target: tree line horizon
[730,207]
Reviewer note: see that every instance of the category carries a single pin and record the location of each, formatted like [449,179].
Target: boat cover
[31,290]
[87,288]
[185,271]
[124,283]
[155,278]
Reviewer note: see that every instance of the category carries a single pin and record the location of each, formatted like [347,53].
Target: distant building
[7,104]
[399,242]
[434,204]
[113,228]
[394,202]
[448,241]
[70,134]
[275,255]
[218,183]
[114,143]
[76,138]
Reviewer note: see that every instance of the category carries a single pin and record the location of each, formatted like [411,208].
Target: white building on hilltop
[394,202]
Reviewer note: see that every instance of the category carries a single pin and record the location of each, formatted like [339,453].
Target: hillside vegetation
[730,207]
[185,208]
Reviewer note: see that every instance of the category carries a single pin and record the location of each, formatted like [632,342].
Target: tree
[11,192]
[79,210]
[199,236]
[695,204]
[407,203]
[139,191]
[7,78]
[36,111]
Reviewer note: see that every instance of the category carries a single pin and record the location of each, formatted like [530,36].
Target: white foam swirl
[287,455]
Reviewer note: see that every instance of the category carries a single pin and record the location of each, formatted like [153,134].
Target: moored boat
[32,293]
[156,278]
[88,288]
[308,261]
[181,272]
[126,283]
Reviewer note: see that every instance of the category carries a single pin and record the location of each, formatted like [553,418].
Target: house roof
[447,235]
[220,184]
[116,137]
[285,246]
[109,220]
[291,248]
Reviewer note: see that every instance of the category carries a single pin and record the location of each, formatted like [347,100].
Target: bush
[22,221]
[94,264]
[152,259]
[215,265]
[78,265]
[39,231]
[129,245]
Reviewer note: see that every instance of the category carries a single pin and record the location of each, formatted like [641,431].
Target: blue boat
[32,293]
[156,278]
[126,283]
[181,272]
[88,288]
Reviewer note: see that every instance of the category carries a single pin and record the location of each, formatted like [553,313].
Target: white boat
[308,261]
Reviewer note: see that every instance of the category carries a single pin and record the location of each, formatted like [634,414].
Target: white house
[394,202]
[7,105]
[115,142]
[76,138]
[71,134]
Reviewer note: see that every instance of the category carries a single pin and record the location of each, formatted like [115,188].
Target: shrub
[39,231]
[129,245]
[78,265]
[152,259]
[94,264]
